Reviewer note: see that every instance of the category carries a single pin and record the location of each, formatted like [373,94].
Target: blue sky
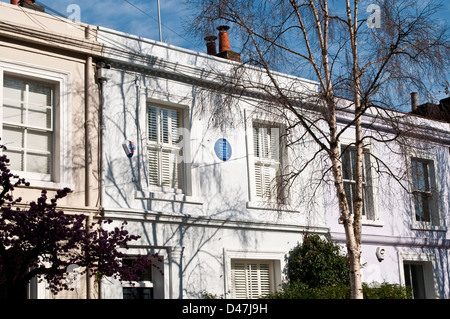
[140,17]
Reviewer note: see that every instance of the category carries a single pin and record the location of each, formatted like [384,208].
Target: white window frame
[26,127]
[61,162]
[251,269]
[428,261]
[266,162]
[275,258]
[258,202]
[171,148]
[370,183]
[436,209]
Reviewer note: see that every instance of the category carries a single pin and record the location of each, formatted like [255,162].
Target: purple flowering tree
[39,240]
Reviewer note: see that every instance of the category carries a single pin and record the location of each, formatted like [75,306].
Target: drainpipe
[87,144]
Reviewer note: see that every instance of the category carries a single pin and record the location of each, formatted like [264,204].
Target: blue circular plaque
[222,149]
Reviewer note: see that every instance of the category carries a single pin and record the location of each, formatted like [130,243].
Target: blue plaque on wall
[222,149]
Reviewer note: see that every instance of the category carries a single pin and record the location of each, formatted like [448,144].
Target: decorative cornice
[27,34]
[205,221]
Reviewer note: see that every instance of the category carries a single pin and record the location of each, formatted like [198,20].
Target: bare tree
[367,53]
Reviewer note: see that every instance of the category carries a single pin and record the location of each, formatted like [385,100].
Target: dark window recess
[137,293]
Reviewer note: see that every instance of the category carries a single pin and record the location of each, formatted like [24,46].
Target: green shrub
[316,269]
[370,291]
[317,263]
[302,291]
[386,291]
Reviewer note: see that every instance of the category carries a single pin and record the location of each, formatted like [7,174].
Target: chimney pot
[211,44]
[414,101]
[224,40]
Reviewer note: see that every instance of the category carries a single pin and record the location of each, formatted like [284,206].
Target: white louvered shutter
[251,279]
[163,147]
[267,160]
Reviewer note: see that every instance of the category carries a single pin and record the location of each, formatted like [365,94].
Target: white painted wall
[217,221]
[200,233]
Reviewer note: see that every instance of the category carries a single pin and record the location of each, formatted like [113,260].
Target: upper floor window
[349,176]
[164,147]
[424,192]
[36,122]
[266,147]
[27,130]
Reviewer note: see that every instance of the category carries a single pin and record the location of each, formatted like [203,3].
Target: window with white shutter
[349,177]
[27,125]
[164,147]
[251,279]
[266,148]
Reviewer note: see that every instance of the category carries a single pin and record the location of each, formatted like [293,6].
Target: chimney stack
[414,101]
[224,45]
[211,48]
[29,4]
[20,2]
[224,40]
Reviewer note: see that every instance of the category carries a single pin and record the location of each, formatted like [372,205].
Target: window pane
[38,163]
[40,117]
[13,137]
[39,141]
[349,191]
[13,112]
[414,278]
[16,159]
[137,293]
[346,165]
[421,206]
[13,89]
[39,94]
[420,175]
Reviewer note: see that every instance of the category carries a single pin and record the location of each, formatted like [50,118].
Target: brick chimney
[20,2]
[414,101]
[29,4]
[224,45]
[211,48]
[224,40]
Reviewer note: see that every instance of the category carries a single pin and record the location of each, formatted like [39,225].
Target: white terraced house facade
[198,188]
[200,194]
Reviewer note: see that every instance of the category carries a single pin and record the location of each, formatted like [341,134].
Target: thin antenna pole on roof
[159,23]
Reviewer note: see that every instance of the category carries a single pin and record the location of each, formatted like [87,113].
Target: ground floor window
[137,293]
[149,286]
[251,278]
[415,279]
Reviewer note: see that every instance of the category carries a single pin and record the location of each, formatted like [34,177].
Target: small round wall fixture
[222,148]
[129,148]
